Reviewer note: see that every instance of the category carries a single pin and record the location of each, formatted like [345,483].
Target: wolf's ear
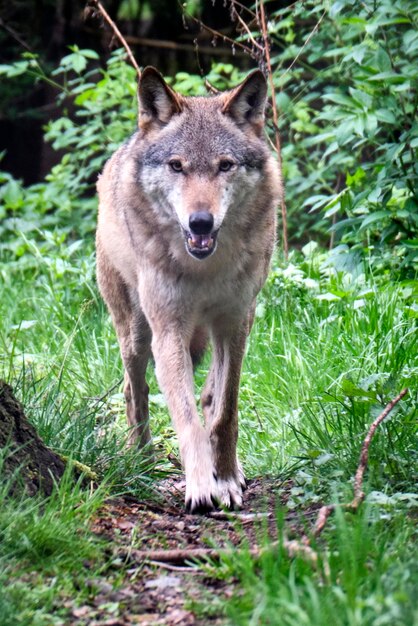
[246,103]
[157,101]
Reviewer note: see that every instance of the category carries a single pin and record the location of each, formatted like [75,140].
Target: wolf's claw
[200,506]
[230,493]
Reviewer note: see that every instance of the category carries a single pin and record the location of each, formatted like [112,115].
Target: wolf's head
[202,159]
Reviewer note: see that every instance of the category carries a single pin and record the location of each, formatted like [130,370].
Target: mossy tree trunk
[26,460]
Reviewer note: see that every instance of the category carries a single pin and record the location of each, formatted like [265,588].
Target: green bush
[350,131]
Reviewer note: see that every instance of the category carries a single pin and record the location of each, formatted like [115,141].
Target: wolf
[186,231]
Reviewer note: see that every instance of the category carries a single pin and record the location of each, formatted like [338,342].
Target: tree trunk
[26,461]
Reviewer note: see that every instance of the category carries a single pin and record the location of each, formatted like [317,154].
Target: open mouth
[200,246]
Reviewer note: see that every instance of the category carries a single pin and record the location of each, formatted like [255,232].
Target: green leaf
[375,195]
[353,391]
[385,115]
[377,216]
[383,60]
[328,297]
[13,194]
[359,53]
[89,54]
[388,77]
[356,178]
[362,97]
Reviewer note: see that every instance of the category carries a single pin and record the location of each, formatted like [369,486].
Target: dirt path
[134,591]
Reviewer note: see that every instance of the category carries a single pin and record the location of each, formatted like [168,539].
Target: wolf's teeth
[205,242]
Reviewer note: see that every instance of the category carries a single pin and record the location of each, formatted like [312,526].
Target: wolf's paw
[230,491]
[201,484]
[201,493]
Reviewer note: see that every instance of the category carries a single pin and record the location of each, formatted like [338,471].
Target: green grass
[326,354]
[366,576]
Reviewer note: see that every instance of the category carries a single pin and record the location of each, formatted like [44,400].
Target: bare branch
[321,520]
[245,27]
[217,35]
[244,8]
[14,34]
[118,34]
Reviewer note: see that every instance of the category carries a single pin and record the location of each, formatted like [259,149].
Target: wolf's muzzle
[200,240]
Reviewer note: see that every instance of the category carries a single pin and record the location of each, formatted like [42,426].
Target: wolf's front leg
[220,402]
[175,376]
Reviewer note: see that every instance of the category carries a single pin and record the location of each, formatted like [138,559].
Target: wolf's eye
[176,165]
[225,165]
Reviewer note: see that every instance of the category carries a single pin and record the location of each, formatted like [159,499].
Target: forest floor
[152,592]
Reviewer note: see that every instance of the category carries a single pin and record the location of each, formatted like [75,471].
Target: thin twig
[245,518]
[283,208]
[173,45]
[245,28]
[211,88]
[325,511]
[14,34]
[311,34]
[217,35]
[107,392]
[117,32]
[244,8]
[189,569]
[358,479]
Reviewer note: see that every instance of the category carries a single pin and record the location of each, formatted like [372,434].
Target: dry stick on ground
[358,479]
[181,556]
[326,511]
[293,548]
[102,10]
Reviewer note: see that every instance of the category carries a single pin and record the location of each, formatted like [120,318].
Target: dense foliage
[351,99]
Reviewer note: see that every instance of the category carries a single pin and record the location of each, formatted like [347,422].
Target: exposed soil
[29,463]
[154,593]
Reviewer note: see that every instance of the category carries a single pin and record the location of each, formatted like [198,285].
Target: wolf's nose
[201,223]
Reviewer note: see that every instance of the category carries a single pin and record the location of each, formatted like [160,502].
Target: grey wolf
[186,230]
